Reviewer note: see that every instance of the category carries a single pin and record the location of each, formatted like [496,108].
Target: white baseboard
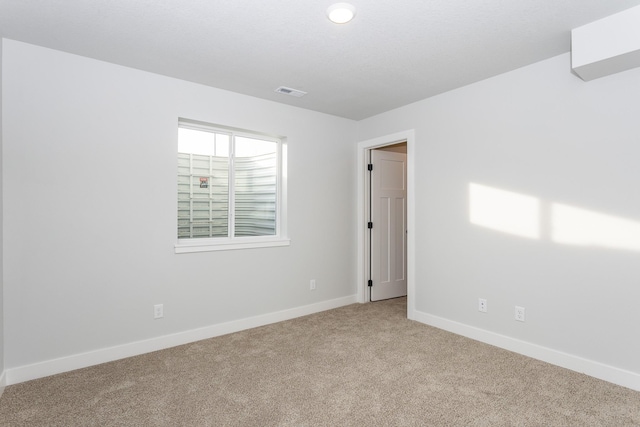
[3,382]
[575,363]
[96,357]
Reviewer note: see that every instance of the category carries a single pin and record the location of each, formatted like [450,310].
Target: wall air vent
[291,92]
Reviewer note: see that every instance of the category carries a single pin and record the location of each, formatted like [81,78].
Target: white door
[389,225]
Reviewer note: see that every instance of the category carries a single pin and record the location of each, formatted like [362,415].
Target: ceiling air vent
[291,92]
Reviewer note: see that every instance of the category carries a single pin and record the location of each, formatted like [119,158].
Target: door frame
[363,148]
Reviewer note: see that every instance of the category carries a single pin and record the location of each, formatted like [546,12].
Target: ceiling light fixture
[341,13]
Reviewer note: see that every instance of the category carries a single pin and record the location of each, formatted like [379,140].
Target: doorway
[406,138]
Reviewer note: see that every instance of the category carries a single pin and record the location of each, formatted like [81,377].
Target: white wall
[542,132]
[91,223]
[89,229]
[2,376]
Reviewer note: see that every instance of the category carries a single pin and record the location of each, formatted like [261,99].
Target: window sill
[227,245]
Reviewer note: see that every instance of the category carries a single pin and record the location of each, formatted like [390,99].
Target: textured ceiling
[391,54]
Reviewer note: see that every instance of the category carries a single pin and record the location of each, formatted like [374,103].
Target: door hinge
[369,167]
[370,225]
[370,283]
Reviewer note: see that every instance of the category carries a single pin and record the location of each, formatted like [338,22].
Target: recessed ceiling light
[341,13]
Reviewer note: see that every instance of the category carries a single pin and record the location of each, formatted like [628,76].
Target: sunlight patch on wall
[504,211]
[576,226]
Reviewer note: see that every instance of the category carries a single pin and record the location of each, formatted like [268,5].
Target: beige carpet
[361,365]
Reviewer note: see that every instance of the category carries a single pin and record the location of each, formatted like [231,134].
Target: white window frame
[190,245]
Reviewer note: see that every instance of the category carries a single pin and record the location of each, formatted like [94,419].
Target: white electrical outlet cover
[158,311]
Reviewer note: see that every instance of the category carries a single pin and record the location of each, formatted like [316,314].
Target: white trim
[592,368]
[82,360]
[205,246]
[363,147]
[3,382]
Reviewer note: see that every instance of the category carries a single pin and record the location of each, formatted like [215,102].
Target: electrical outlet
[519,314]
[482,305]
[158,311]
[312,285]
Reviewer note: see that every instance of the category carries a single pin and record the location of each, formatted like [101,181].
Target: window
[230,189]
